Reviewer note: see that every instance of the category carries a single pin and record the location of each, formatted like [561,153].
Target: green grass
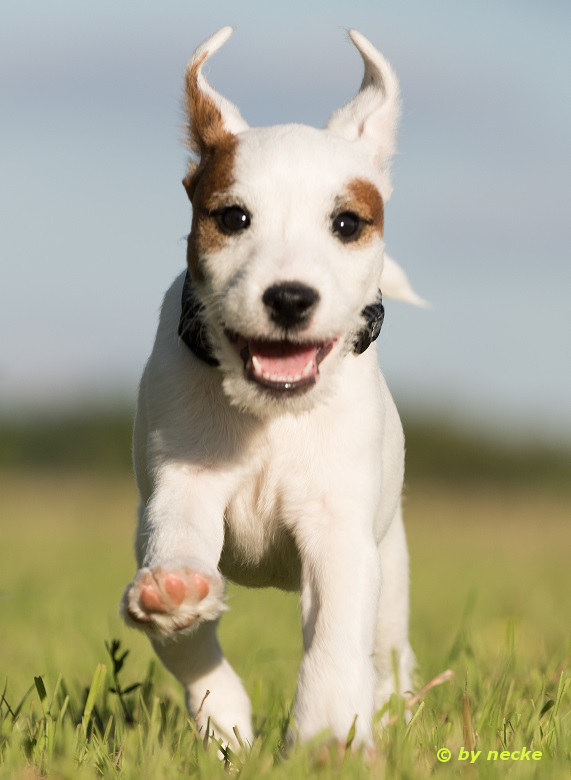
[491,599]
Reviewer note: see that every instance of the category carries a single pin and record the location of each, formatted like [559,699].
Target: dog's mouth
[282,366]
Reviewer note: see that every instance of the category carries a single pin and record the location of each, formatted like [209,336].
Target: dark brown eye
[232,219]
[347,225]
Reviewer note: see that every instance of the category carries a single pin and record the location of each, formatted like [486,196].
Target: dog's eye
[232,219]
[347,225]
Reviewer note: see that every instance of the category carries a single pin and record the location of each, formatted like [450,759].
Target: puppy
[267,447]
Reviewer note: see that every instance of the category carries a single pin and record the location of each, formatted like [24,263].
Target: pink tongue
[283,360]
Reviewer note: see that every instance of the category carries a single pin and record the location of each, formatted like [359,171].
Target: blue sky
[94,215]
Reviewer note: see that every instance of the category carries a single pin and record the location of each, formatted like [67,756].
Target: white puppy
[268,449]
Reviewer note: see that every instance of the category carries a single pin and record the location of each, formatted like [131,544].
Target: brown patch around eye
[206,186]
[364,199]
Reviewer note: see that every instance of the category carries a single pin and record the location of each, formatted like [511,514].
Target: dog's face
[286,247]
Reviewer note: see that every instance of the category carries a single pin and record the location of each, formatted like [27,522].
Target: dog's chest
[259,550]
[259,546]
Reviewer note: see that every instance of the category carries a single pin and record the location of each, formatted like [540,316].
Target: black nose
[290,303]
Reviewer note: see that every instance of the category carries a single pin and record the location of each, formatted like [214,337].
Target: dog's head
[286,247]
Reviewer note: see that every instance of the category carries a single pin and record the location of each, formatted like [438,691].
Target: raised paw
[162,601]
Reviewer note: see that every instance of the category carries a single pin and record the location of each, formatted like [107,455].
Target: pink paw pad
[150,599]
[161,591]
[158,595]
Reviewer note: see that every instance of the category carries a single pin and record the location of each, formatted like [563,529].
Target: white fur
[299,492]
[395,284]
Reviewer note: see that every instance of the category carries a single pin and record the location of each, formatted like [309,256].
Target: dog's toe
[164,600]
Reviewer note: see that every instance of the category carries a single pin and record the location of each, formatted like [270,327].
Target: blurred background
[94,216]
[94,220]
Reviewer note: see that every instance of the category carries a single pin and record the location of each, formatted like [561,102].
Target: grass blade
[41,689]
[96,686]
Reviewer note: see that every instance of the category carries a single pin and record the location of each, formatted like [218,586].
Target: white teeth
[310,367]
[257,365]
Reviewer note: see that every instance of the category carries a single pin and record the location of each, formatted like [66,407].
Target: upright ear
[395,284]
[373,114]
[211,118]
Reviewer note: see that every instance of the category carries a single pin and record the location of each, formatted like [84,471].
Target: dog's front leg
[176,596]
[340,593]
[179,541]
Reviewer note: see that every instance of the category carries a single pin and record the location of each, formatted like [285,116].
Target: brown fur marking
[205,124]
[366,201]
[207,186]
[206,183]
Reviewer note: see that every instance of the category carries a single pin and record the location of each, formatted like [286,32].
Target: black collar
[192,328]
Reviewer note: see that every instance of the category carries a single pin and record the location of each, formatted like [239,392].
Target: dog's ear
[395,284]
[211,118]
[374,112]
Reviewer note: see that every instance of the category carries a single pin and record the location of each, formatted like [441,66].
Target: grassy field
[491,600]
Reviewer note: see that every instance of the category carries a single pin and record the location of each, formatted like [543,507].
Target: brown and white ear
[374,112]
[395,284]
[210,116]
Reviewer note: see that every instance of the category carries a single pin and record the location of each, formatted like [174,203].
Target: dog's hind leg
[196,660]
[391,641]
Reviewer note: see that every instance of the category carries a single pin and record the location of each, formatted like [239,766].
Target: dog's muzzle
[283,366]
